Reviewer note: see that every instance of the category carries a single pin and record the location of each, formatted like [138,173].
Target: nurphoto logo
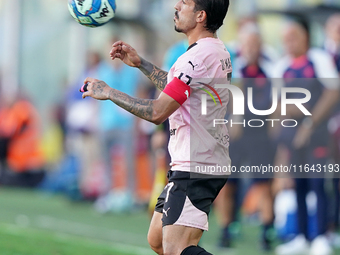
[239,104]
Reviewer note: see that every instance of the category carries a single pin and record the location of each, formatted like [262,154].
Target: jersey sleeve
[186,70]
[178,90]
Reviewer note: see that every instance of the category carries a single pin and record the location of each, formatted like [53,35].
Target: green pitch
[32,223]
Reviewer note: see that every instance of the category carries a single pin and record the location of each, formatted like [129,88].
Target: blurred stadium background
[76,203]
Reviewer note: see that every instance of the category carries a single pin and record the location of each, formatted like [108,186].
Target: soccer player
[332,46]
[307,143]
[181,214]
[332,43]
[250,145]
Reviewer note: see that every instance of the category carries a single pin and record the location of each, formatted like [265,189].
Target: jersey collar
[192,45]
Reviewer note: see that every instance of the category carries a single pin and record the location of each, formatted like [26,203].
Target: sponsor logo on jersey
[173,131]
[193,66]
[226,64]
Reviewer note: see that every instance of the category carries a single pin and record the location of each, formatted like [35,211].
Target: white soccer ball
[92,13]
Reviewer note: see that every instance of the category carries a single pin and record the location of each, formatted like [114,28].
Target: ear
[201,16]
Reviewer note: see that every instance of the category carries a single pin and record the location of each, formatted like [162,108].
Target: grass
[32,223]
[27,241]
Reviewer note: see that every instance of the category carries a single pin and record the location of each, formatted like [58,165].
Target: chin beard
[178,29]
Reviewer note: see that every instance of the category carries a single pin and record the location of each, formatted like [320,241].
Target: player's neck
[194,36]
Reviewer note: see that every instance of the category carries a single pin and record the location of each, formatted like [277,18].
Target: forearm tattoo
[156,75]
[142,108]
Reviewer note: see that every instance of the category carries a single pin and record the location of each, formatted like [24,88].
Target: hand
[96,89]
[235,132]
[126,53]
[302,136]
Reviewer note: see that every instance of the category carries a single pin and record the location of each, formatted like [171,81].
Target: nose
[177,5]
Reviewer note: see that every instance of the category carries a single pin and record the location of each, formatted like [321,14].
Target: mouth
[176,16]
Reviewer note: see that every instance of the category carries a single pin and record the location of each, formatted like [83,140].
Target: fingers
[86,94]
[86,87]
[117,43]
[116,51]
[119,48]
[127,48]
[121,44]
[96,89]
[89,80]
[116,55]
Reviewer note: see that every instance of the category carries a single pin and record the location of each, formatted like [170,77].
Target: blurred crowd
[96,151]
[304,210]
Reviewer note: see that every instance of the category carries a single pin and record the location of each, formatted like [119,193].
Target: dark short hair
[303,23]
[216,11]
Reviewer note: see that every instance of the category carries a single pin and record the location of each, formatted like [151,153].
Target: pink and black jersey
[194,140]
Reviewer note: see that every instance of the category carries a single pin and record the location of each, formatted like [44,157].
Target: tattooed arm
[129,56]
[156,75]
[155,111]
